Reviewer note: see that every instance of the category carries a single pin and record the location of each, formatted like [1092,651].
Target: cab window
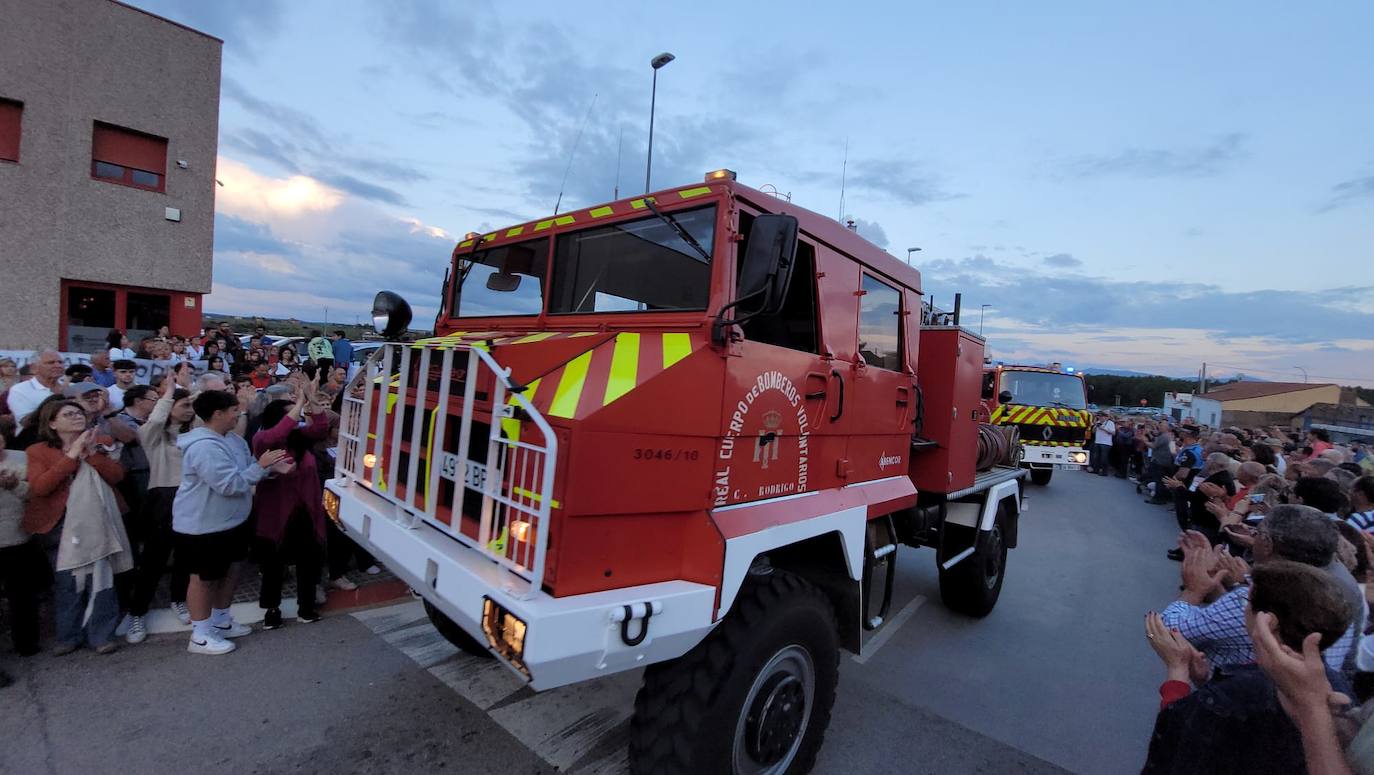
[794,326]
[880,330]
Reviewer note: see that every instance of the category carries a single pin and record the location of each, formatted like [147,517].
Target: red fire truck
[687,432]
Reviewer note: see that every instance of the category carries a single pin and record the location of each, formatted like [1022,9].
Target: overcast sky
[1141,186]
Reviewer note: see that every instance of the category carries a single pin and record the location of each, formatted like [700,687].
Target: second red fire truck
[685,431]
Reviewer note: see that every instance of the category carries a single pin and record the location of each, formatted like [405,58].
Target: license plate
[1067,467]
[474,474]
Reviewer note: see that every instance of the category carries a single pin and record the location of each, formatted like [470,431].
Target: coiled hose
[998,445]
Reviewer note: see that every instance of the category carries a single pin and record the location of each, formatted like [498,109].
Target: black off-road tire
[1041,476]
[455,634]
[688,710]
[974,584]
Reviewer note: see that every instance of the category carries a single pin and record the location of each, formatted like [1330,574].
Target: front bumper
[1042,456]
[566,639]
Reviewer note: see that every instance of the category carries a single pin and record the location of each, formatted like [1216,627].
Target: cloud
[903,181]
[364,189]
[1350,192]
[241,236]
[242,26]
[249,195]
[871,231]
[1204,161]
[1078,303]
[1062,261]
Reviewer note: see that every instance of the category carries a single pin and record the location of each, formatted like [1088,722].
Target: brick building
[109,122]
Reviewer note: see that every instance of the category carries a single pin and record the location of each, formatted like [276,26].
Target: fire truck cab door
[779,395]
[881,390]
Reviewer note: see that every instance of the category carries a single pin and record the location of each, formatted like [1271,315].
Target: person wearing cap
[125,371]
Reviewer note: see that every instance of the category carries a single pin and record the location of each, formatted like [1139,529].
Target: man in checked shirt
[1210,612]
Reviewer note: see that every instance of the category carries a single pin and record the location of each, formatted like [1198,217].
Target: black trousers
[342,551]
[23,575]
[157,548]
[300,546]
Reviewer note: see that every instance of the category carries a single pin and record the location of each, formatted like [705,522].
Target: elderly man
[101,369]
[1212,617]
[46,381]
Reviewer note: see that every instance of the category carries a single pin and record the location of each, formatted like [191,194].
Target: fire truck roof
[819,227]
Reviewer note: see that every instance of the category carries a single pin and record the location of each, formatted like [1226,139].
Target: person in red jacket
[76,514]
[289,508]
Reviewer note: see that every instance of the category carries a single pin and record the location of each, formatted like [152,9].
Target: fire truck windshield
[1043,388]
[508,280]
[636,266]
[642,265]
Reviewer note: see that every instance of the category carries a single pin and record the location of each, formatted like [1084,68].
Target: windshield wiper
[677,227]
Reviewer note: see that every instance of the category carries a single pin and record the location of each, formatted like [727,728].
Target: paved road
[1056,679]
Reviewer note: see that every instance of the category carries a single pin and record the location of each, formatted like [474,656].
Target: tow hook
[625,614]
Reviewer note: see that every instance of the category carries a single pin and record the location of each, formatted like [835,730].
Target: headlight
[369,460]
[505,632]
[1078,457]
[331,506]
[379,322]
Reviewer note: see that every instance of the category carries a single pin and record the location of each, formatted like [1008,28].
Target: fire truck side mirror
[1005,397]
[768,260]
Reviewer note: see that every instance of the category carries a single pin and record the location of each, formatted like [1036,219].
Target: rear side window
[880,330]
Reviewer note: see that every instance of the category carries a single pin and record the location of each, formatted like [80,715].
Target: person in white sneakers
[210,516]
[169,418]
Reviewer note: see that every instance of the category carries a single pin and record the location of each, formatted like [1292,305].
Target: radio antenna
[618,146]
[844,168]
[572,154]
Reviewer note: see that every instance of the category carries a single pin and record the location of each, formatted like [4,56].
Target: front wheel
[753,698]
[1041,476]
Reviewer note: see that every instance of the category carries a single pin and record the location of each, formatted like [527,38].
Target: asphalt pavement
[1057,679]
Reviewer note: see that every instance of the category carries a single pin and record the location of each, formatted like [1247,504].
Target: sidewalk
[372,589]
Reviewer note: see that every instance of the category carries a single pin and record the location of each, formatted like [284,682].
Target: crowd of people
[1268,647]
[109,487]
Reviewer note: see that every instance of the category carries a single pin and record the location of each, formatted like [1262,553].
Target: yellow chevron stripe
[601,212]
[694,192]
[570,386]
[624,367]
[675,348]
[511,426]
[539,337]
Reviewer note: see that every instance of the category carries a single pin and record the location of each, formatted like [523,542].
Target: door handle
[903,395]
[839,410]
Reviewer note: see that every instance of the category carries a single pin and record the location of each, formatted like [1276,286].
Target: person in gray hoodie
[210,515]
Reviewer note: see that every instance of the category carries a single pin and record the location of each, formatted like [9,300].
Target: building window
[11,115]
[91,310]
[127,157]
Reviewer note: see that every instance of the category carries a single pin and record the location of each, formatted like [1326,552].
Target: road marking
[572,728]
[886,633]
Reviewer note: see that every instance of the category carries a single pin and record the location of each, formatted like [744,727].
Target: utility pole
[1202,380]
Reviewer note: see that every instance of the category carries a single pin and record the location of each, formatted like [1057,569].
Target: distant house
[1192,407]
[1257,404]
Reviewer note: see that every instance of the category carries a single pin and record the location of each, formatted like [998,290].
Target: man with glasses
[1210,612]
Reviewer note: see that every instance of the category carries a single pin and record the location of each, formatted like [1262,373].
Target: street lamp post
[909,251]
[656,63]
[981,309]
[1304,373]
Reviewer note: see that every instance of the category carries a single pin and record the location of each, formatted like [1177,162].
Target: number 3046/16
[667,454]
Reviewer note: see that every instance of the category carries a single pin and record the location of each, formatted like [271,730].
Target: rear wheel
[973,585]
[455,634]
[1041,476]
[752,698]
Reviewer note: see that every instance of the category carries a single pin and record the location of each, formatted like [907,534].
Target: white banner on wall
[147,370]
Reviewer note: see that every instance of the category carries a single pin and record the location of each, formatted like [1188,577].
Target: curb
[163,621]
